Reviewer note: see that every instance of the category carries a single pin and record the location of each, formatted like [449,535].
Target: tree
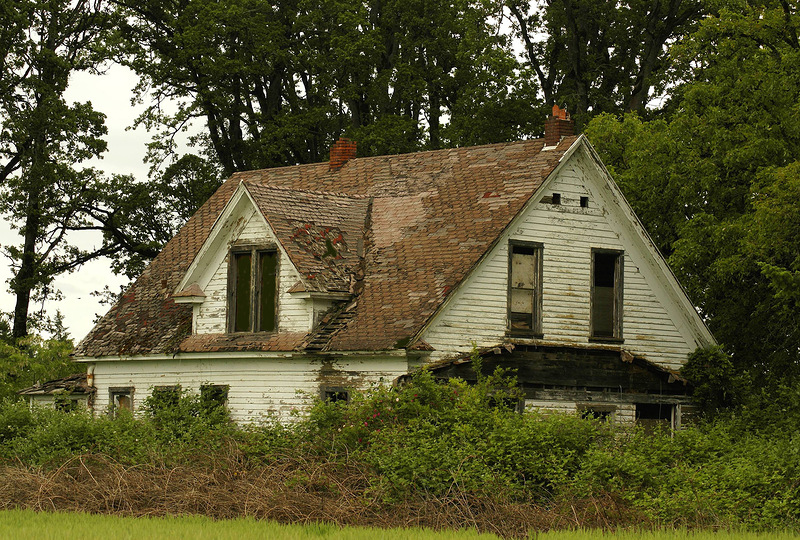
[276,84]
[603,56]
[716,181]
[43,188]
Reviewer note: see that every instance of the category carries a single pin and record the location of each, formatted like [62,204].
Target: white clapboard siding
[476,311]
[258,388]
[294,314]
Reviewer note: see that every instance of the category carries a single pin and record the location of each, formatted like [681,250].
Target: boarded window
[606,301]
[252,290]
[525,289]
[120,399]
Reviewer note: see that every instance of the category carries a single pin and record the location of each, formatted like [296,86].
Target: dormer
[275,261]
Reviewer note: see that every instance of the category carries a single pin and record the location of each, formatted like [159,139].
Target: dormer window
[252,290]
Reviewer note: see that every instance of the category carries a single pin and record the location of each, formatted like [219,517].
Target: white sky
[111,94]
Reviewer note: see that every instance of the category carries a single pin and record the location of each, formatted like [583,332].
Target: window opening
[655,416]
[601,413]
[556,198]
[165,397]
[120,399]
[335,395]
[64,403]
[525,289]
[252,292]
[213,397]
[606,301]
[584,202]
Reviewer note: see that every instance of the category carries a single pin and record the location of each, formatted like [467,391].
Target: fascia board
[206,356]
[213,242]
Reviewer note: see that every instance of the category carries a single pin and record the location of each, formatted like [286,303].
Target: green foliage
[31,360]
[720,474]
[718,386]
[432,437]
[183,419]
[715,181]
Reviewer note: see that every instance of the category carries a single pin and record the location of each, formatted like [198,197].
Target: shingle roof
[73,384]
[427,219]
[320,231]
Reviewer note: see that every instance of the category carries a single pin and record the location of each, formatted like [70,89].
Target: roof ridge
[400,155]
[263,183]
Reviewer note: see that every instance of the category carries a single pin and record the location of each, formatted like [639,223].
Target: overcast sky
[111,94]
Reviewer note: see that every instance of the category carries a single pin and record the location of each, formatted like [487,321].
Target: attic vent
[342,151]
[556,198]
[584,202]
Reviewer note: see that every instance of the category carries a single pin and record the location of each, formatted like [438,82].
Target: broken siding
[257,387]
[294,313]
[477,311]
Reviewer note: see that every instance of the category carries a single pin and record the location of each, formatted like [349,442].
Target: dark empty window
[525,289]
[606,294]
[556,198]
[601,413]
[252,296]
[64,403]
[213,396]
[335,395]
[584,202]
[655,416]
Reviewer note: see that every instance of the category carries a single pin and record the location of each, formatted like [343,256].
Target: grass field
[24,525]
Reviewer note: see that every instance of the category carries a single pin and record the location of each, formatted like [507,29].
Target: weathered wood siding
[294,314]
[652,327]
[258,387]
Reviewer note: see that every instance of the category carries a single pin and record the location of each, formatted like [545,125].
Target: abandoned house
[313,280]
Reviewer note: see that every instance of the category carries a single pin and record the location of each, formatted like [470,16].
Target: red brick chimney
[558,125]
[342,151]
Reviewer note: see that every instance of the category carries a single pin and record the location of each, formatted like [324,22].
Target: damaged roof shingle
[399,232]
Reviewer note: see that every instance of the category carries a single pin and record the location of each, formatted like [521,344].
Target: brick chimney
[558,125]
[342,151]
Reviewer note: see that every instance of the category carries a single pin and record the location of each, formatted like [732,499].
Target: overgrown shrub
[427,440]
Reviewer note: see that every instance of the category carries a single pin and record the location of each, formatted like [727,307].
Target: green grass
[25,524]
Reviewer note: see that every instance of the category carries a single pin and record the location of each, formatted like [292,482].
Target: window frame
[335,394]
[536,317]
[618,297]
[255,251]
[207,399]
[115,391]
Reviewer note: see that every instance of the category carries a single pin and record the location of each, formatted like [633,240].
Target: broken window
[655,416]
[213,397]
[252,290]
[606,294]
[525,289]
[121,399]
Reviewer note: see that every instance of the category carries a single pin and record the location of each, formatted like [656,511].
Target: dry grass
[291,489]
